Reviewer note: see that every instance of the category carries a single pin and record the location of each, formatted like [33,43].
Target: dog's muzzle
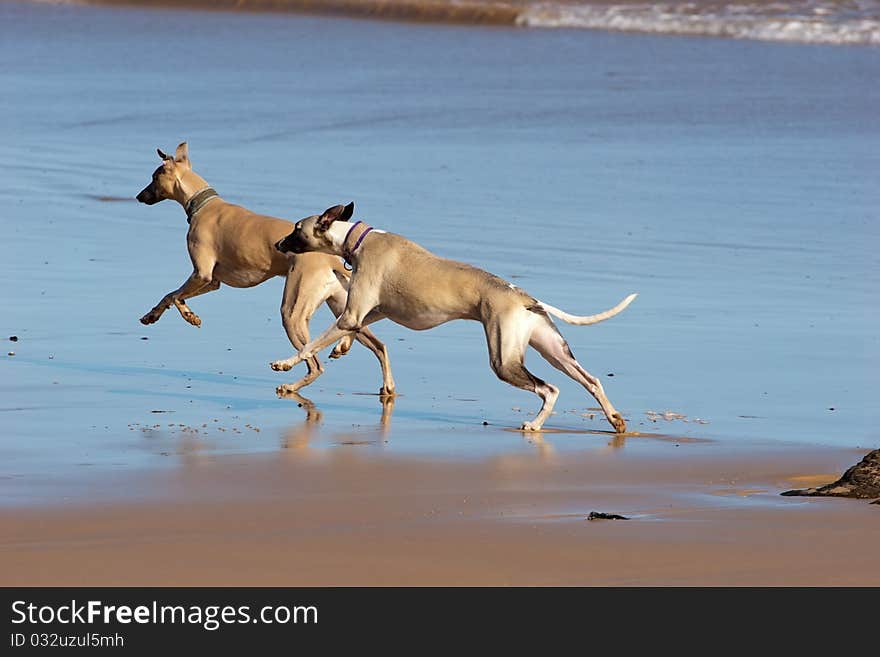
[288,245]
[146,196]
[284,246]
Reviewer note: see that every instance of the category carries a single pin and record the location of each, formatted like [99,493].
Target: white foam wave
[823,23]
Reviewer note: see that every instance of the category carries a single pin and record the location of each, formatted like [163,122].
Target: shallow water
[732,184]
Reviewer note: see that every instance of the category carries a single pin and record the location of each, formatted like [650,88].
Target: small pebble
[11,353]
[485,424]
[13,338]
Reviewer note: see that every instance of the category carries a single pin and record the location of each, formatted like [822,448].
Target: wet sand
[347,517]
[468,13]
[730,184]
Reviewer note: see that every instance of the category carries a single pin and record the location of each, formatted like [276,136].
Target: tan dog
[395,278]
[232,245]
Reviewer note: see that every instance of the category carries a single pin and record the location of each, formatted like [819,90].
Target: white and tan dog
[231,245]
[398,279]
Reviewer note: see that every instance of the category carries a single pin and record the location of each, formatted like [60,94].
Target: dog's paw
[193,319]
[618,423]
[287,389]
[342,347]
[150,318]
[280,365]
[387,393]
[530,426]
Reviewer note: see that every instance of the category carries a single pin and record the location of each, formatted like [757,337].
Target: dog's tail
[586,320]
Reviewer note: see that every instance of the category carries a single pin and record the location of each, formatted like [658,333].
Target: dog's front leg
[327,338]
[183,309]
[193,286]
[348,323]
[337,303]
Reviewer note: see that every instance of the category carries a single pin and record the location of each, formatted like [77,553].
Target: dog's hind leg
[302,296]
[506,337]
[365,337]
[548,342]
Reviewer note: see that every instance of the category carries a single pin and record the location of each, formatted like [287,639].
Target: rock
[597,515]
[861,481]
[13,338]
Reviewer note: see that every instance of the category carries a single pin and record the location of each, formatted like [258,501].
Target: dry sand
[348,517]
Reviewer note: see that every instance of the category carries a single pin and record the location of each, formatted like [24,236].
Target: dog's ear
[163,154]
[181,155]
[347,212]
[336,213]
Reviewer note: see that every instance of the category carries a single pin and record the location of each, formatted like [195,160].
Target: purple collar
[347,253]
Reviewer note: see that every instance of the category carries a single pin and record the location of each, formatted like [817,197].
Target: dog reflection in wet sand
[398,279]
[314,415]
[300,436]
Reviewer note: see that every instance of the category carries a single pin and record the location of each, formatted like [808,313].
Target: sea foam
[807,22]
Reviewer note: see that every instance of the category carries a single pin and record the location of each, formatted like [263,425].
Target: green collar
[197,201]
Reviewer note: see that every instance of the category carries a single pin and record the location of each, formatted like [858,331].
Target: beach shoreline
[818,22]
